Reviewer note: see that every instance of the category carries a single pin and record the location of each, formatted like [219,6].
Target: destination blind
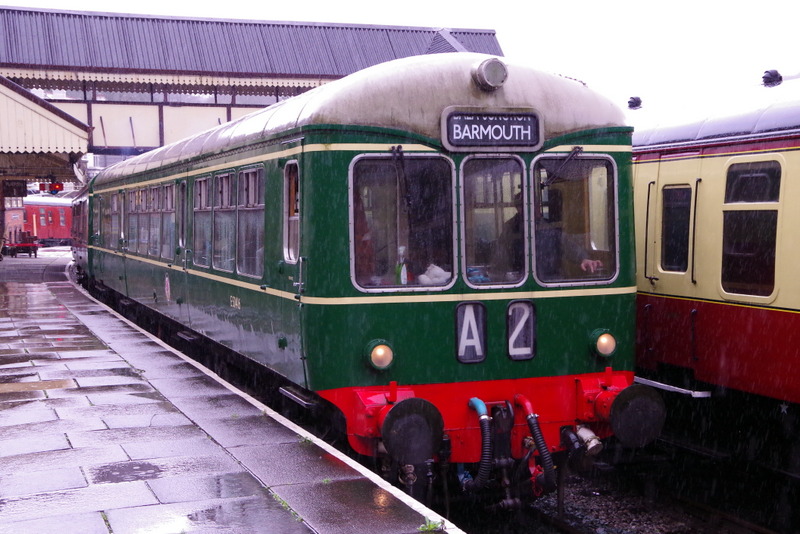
[493,129]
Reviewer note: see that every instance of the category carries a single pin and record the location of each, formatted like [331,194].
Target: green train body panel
[426,350]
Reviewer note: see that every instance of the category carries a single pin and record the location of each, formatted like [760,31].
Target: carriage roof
[748,115]
[407,94]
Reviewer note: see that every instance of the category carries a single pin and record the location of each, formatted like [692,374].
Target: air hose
[548,479]
[485,466]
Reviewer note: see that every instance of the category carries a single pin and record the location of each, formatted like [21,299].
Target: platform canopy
[38,142]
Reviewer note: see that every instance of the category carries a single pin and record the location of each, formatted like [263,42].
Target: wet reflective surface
[104,429]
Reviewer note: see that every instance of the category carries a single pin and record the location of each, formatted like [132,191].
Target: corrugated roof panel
[144,34]
[32,49]
[315,53]
[255,57]
[408,42]
[79,38]
[231,48]
[61,40]
[474,41]
[287,59]
[156,39]
[208,40]
[368,47]
[5,37]
[105,48]
[184,52]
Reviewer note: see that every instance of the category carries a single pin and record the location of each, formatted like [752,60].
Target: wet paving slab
[104,429]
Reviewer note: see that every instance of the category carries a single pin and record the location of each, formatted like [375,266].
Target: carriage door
[293,270]
[179,283]
[671,268]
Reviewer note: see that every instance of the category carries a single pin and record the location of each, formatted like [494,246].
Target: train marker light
[54,188]
[603,343]
[380,354]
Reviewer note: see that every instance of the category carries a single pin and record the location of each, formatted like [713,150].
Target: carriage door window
[180,219]
[574,219]
[168,222]
[132,221]
[291,207]
[144,206]
[115,236]
[675,215]
[495,227]
[155,201]
[750,224]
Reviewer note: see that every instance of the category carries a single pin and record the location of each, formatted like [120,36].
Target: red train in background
[49,218]
[41,220]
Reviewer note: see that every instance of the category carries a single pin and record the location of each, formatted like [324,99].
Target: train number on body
[471,331]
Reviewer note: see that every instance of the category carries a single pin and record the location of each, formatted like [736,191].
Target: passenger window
[250,251]
[574,219]
[202,223]
[224,222]
[495,228]
[676,212]
[401,212]
[143,206]
[134,206]
[750,226]
[291,207]
[753,182]
[109,221]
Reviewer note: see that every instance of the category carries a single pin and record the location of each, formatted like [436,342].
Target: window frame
[387,156]
[250,203]
[613,218]
[291,209]
[224,203]
[686,244]
[526,233]
[732,207]
[202,188]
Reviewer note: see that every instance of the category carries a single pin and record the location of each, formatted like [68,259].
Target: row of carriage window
[228,222]
[402,220]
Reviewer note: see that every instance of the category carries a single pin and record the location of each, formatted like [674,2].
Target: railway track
[622,503]
[646,496]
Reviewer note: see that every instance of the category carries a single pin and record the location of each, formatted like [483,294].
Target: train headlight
[380,354]
[603,343]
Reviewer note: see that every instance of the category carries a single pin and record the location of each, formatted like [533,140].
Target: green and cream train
[436,251]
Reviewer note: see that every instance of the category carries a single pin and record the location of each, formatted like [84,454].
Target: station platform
[105,429]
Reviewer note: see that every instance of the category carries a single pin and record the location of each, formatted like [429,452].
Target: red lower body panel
[747,348]
[558,401]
